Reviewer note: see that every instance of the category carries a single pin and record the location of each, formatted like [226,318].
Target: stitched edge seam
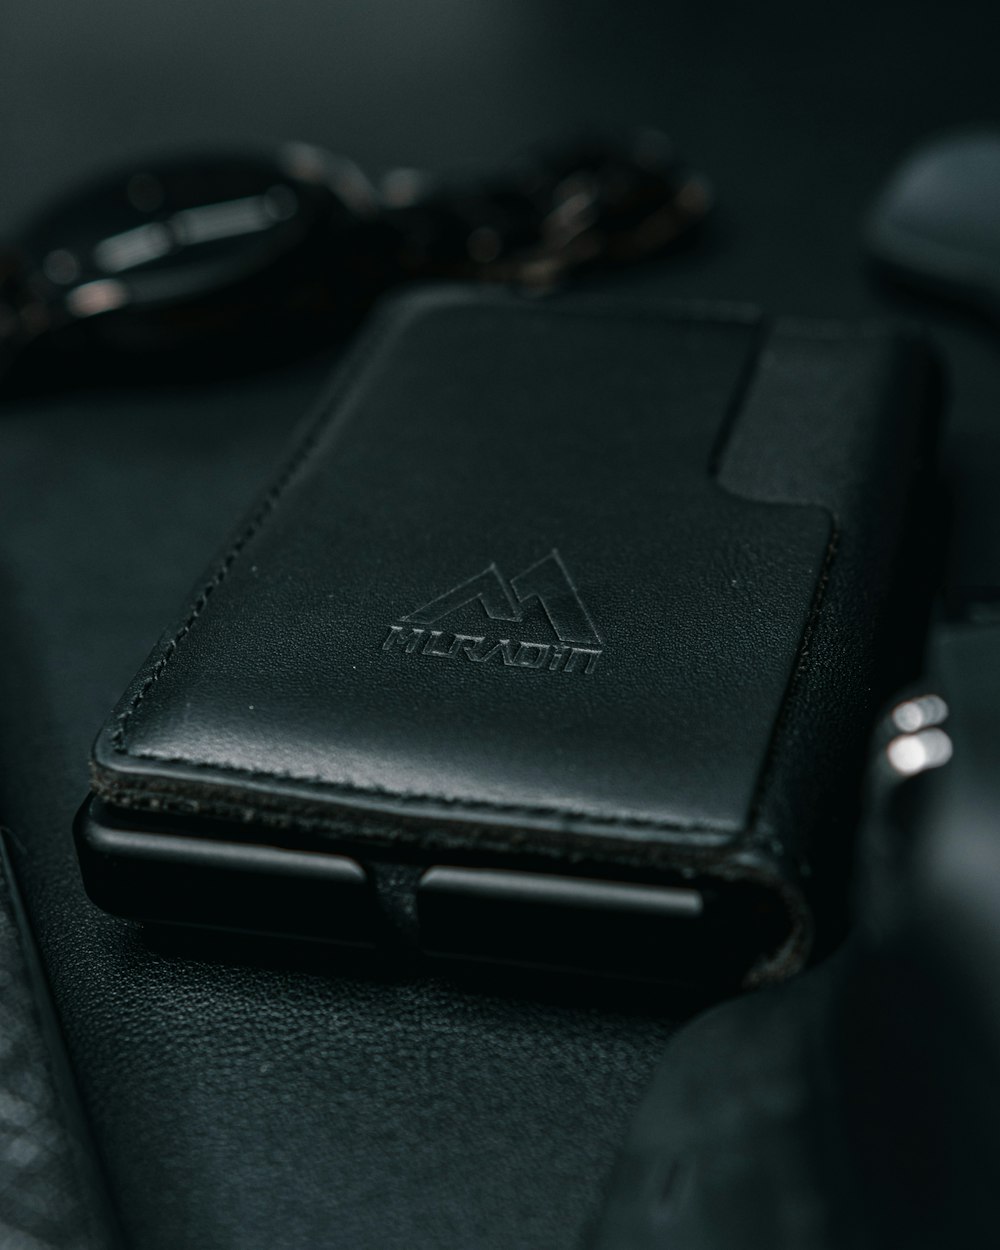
[726,314]
[341,390]
[342,387]
[412,800]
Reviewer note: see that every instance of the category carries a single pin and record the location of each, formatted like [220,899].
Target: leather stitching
[272,496]
[414,799]
[728,314]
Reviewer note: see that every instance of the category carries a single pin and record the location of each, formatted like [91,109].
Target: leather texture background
[245,1106]
[51,1197]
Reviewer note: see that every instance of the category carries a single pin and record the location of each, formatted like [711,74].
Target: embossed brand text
[550,657]
[544,586]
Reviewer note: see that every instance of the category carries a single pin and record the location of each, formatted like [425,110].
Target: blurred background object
[936,225]
[858,1106]
[209,264]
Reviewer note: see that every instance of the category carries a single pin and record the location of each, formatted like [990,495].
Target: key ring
[218,262]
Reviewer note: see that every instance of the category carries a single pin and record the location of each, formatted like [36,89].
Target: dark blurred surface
[245,1106]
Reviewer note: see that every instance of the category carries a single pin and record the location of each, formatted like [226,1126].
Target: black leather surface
[51,1195]
[476,432]
[240,1107]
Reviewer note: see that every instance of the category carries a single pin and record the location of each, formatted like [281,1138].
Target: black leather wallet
[556,642]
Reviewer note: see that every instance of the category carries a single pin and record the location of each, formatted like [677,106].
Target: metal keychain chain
[216,262]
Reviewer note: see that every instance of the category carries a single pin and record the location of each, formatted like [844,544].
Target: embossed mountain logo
[546,583]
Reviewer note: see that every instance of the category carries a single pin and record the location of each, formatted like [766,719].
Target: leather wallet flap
[533,582]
